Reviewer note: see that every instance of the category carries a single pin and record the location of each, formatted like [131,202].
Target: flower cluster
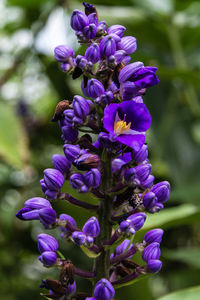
[104,154]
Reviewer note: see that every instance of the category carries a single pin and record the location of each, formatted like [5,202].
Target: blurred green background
[168,36]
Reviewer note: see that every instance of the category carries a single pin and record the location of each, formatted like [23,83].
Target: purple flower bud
[26,214]
[162,191]
[117,163]
[43,186]
[143,171]
[126,60]
[119,56]
[129,70]
[47,216]
[122,248]
[89,239]
[78,237]
[71,151]
[157,207]
[47,243]
[61,163]
[149,200]
[92,178]
[93,53]
[145,77]
[63,52]
[79,20]
[128,90]
[69,134]
[125,227]
[137,220]
[91,227]
[104,290]
[54,179]
[101,27]
[130,175]
[77,182]
[51,194]
[81,61]
[154,265]
[152,251]
[90,31]
[37,203]
[154,235]
[116,38]
[116,29]
[95,88]
[81,107]
[128,44]
[87,161]
[71,288]
[69,219]
[146,184]
[107,46]
[141,155]
[93,18]
[138,99]
[68,116]
[48,258]
[90,298]
[66,67]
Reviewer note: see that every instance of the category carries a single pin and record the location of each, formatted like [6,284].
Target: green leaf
[187,255]
[14,142]
[89,253]
[187,294]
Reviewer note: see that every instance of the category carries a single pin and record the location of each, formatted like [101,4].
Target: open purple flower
[127,122]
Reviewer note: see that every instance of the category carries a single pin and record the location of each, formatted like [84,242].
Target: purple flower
[116,29]
[69,134]
[128,44]
[79,20]
[79,237]
[26,214]
[149,200]
[141,155]
[143,171]
[77,182]
[146,184]
[154,265]
[93,18]
[91,227]
[101,28]
[152,251]
[93,53]
[70,220]
[47,216]
[107,46]
[53,179]
[119,56]
[104,290]
[90,31]
[63,53]
[68,116]
[71,151]
[87,161]
[61,163]
[162,191]
[37,203]
[92,178]
[81,61]
[154,235]
[71,288]
[48,258]
[94,88]
[47,242]
[133,223]
[122,248]
[126,73]
[81,107]
[127,123]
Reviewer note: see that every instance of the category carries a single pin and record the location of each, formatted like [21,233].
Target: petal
[109,117]
[133,141]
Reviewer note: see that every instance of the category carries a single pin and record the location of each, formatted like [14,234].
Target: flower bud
[90,31]
[143,171]
[104,290]
[81,61]
[69,134]
[47,242]
[53,179]
[71,288]
[91,227]
[81,107]
[93,53]
[149,200]
[116,29]
[69,219]
[128,44]
[87,161]
[78,237]
[77,182]
[129,70]
[107,46]
[61,163]
[128,90]
[119,56]
[101,28]
[137,220]
[122,248]
[47,216]
[94,88]
[141,155]
[63,52]
[162,191]
[146,184]
[37,203]
[26,214]
[157,207]
[71,151]
[152,251]
[51,194]
[93,18]
[154,265]
[79,20]
[48,258]
[145,77]
[92,178]
[66,67]
[68,116]
[154,235]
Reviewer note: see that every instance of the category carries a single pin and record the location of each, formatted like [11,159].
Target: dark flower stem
[72,200]
[123,256]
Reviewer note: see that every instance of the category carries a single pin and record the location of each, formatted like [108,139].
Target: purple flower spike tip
[91,227]
[79,20]
[104,290]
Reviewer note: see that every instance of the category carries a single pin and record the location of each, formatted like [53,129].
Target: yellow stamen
[121,127]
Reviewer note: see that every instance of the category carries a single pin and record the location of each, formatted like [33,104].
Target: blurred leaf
[29,4]
[186,255]
[14,143]
[186,193]
[187,294]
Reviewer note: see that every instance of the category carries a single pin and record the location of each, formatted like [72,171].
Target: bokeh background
[31,83]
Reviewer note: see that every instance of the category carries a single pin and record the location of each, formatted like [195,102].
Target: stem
[68,197]
[102,262]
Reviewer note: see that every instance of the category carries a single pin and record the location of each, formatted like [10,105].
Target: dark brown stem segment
[74,201]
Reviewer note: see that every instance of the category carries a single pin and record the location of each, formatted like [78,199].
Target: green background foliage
[168,34]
